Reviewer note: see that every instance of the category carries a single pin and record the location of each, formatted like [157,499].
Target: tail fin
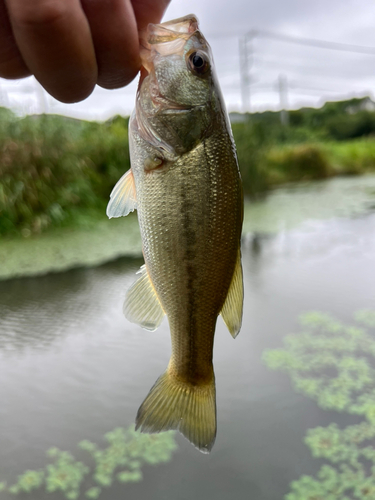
[172,404]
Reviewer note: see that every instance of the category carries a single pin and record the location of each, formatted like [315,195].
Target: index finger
[11,62]
[114,27]
[55,42]
[114,31]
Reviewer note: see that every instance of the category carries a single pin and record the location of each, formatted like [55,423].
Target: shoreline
[283,209]
[62,249]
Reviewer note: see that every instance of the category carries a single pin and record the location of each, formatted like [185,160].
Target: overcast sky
[311,75]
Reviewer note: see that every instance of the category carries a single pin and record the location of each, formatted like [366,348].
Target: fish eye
[198,62]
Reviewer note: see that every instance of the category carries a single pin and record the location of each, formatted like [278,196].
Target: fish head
[178,92]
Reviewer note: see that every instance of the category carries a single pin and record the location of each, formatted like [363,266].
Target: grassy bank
[57,172]
[318,160]
[266,162]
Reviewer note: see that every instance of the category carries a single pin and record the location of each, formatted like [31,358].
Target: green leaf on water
[14,490]
[65,474]
[93,492]
[103,479]
[88,446]
[30,480]
[127,476]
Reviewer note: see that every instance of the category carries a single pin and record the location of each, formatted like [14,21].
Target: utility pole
[244,72]
[283,93]
[4,101]
[42,99]
[246,61]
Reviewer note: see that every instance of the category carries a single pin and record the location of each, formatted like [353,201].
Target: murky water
[72,368]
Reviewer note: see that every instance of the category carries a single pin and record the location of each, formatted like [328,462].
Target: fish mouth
[170,31]
[165,38]
[184,24]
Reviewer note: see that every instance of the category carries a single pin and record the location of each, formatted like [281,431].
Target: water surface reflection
[72,368]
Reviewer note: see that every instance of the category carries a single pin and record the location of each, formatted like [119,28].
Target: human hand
[72,45]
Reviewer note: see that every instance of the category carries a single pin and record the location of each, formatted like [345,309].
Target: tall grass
[52,167]
[252,142]
[351,157]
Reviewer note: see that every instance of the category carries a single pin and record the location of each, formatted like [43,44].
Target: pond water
[72,367]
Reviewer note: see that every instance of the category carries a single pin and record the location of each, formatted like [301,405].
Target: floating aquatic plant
[128,450]
[66,474]
[93,492]
[334,364]
[329,362]
[122,459]
[28,481]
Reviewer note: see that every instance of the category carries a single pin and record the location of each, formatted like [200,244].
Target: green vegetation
[265,165]
[340,120]
[127,452]
[352,157]
[308,149]
[58,172]
[318,143]
[334,364]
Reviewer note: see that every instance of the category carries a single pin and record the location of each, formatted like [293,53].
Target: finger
[115,36]
[55,42]
[11,62]
[149,11]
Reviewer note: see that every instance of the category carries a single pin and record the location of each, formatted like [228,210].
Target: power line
[321,44]
[272,87]
[248,38]
[313,42]
[315,89]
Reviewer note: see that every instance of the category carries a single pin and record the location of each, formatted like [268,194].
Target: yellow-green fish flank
[185,184]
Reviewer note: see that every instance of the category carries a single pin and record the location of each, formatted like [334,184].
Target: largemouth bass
[184,182]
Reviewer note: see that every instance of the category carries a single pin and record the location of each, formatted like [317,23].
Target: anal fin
[142,305]
[233,305]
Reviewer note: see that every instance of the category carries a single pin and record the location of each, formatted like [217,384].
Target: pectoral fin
[233,305]
[142,305]
[123,197]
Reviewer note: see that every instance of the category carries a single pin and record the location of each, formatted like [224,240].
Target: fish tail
[188,408]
